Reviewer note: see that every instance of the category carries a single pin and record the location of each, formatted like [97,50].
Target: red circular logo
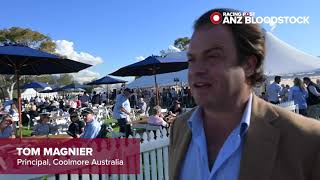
[216,18]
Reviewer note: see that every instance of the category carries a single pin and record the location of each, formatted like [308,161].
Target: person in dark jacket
[95,99]
[313,99]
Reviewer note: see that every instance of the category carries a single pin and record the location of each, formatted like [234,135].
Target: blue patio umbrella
[36,85]
[22,60]
[106,80]
[152,65]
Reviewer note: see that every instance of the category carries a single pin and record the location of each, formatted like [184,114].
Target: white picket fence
[153,161]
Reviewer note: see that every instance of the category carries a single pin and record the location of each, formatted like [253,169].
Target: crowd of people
[123,111]
[37,111]
[304,93]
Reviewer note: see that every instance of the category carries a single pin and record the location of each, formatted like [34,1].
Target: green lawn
[113,123]
[27,133]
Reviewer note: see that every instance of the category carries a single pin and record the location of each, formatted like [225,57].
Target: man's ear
[250,65]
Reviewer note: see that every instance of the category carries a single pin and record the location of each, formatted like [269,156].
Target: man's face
[215,77]
[73,117]
[45,118]
[6,122]
[87,117]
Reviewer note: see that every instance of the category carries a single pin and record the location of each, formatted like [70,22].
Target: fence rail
[154,149]
[153,157]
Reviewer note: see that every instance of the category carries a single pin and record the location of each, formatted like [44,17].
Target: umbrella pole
[19,103]
[156,86]
[107,94]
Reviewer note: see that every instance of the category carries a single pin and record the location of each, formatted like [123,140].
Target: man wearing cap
[122,109]
[92,127]
[44,127]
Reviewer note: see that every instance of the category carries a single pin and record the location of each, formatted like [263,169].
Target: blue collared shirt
[7,132]
[227,163]
[91,129]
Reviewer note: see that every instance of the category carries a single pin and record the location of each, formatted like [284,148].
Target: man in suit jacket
[233,134]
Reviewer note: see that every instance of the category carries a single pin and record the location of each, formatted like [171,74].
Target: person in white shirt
[142,107]
[273,91]
[122,110]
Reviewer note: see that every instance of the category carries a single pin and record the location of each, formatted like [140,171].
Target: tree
[27,37]
[65,79]
[7,83]
[182,43]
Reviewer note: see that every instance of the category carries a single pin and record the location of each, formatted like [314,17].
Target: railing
[153,157]
[153,161]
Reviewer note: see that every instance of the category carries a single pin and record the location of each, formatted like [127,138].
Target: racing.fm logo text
[249,18]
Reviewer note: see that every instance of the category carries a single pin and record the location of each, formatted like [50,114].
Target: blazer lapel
[181,141]
[261,144]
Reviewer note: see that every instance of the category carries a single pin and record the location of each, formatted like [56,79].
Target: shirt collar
[246,116]
[195,122]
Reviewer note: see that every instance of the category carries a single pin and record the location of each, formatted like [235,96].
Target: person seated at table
[76,127]
[157,118]
[44,127]
[7,129]
[13,110]
[142,106]
[92,128]
[175,109]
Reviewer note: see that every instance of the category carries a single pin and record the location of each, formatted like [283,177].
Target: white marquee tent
[281,59]
[28,93]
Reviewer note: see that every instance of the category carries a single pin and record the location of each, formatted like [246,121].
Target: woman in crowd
[175,109]
[299,94]
[13,110]
[7,129]
[43,127]
[157,118]
[76,127]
